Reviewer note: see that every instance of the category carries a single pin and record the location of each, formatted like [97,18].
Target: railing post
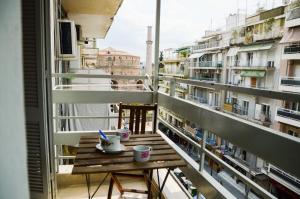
[172,87]
[202,158]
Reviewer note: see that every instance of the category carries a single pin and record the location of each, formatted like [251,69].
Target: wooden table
[90,160]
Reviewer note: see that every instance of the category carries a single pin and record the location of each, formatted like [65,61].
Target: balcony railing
[237,64]
[278,32]
[292,49]
[287,113]
[293,18]
[214,44]
[291,84]
[211,79]
[290,81]
[206,64]
[197,99]
[197,113]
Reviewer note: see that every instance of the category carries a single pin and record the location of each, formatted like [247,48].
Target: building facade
[118,62]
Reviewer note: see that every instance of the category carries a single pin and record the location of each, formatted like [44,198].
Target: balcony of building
[291,84]
[135,96]
[238,65]
[292,18]
[206,78]
[291,51]
[272,34]
[206,46]
[288,116]
[260,117]
[205,65]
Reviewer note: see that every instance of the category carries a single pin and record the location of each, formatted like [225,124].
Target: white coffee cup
[124,134]
[114,143]
[141,153]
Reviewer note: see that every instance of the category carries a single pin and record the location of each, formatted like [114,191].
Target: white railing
[239,64]
[202,116]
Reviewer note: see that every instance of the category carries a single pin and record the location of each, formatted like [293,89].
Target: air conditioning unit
[67,43]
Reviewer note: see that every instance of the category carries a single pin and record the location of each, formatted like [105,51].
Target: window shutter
[35,103]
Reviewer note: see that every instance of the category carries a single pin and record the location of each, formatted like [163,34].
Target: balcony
[237,65]
[206,46]
[209,79]
[288,116]
[293,18]
[206,65]
[292,51]
[48,165]
[277,33]
[291,84]
[237,40]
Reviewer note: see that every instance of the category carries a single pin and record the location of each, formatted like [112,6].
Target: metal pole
[202,158]
[156,51]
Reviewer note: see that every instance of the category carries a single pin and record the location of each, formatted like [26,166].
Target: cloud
[182,21]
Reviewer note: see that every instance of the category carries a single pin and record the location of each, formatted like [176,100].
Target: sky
[182,21]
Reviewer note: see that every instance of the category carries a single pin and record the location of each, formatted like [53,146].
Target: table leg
[163,184]
[88,184]
[87,180]
[149,184]
[111,185]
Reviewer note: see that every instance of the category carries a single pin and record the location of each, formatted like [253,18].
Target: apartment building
[206,64]
[253,60]
[173,65]
[288,114]
[248,55]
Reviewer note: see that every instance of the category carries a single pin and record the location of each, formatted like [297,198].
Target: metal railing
[208,64]
[199,114]
[198,99]
[210,79]
[214,44]
[288,113]
[239,64]
[292,49]
[290,81]
[205,152]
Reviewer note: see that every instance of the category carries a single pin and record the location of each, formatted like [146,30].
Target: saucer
[122,148]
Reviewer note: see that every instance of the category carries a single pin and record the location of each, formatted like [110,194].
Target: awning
[196,55]
[291,35]
[232,52]
[253,73]
[256,47]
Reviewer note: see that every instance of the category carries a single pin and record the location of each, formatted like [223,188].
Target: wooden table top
[91,160]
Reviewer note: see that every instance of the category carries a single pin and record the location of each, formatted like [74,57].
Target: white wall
[13,166]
